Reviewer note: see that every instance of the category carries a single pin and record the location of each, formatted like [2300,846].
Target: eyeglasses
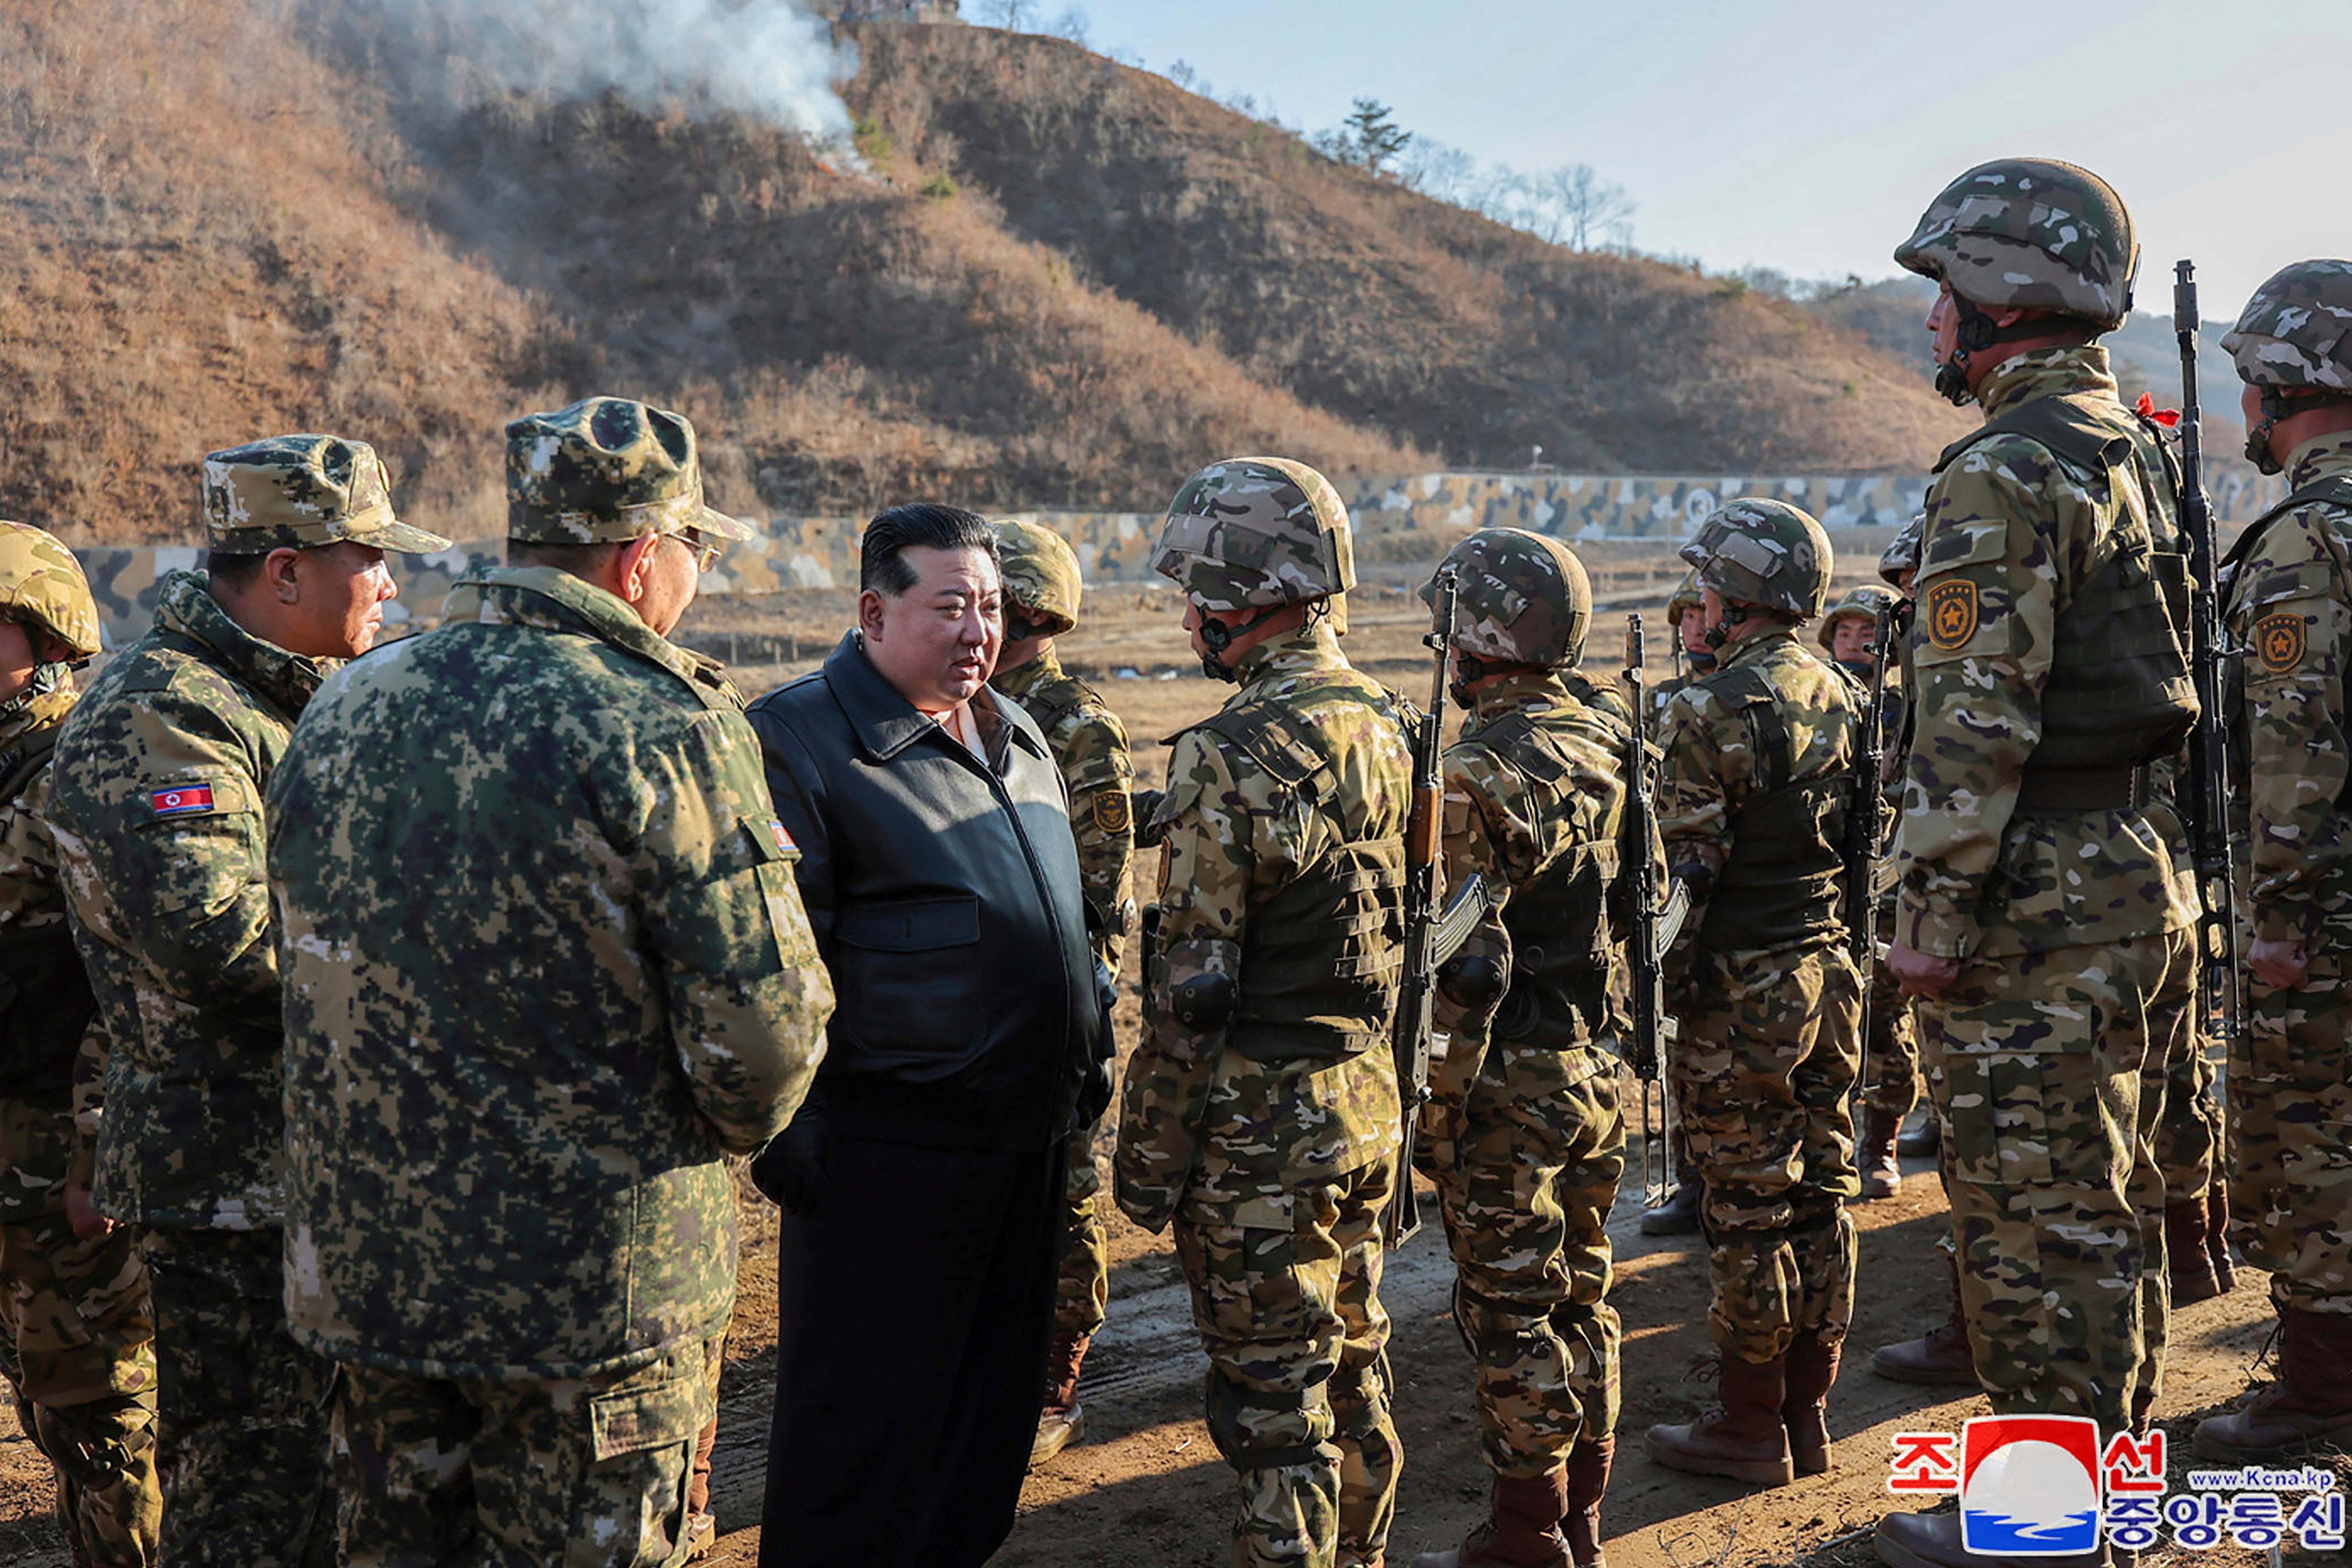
[705,554]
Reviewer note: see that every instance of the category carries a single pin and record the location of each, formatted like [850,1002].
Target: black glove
[795,1170]
[1094,1082]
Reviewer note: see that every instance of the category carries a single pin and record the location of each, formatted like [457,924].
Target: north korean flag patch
[184,801]
[783,840]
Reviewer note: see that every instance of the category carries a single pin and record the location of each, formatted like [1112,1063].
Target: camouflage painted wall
[1115,547]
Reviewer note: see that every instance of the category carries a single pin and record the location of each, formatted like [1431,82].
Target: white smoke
[769,58]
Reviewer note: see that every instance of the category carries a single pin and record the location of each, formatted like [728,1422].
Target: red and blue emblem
[186,800]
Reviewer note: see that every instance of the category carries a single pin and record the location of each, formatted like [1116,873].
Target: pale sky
[1807,135]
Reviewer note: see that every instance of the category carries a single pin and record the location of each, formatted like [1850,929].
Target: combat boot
[1933,1540]
[2188,1261]
[1941,1357]
[1678,1215]
[1523,1531]
[2216,1235]
[1588,1483]
[1881,1171]
[1063,1419]
[1813,1369]
[1926,1138]
[1746,1440]
[2308,1409]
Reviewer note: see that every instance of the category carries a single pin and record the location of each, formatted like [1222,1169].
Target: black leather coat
[946,902]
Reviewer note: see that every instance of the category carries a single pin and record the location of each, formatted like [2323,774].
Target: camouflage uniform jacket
[510,1088]
[155,801]
[1509,820]
[1712,772]
[2291,611]
[1089,745]
[1202,1123]
[36,1123]
[2011,520]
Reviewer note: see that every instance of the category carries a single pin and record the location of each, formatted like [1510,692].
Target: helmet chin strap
[48,676]
[1218,636]
[1975,333]
[2258,436]
[1734,614]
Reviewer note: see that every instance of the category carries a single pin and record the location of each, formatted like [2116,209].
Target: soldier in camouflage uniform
[1752,806]
[1522,1132]
[76,1330]
[1089,745]
[625,967]
[2289,612]
[1890,1047]
[1261,1110]
[2039,904]
[1678,1215]
[156,804]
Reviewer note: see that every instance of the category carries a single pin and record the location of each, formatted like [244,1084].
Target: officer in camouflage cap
[1041,588]
[627,967]
[1260,1109]
[1752,803]
[156,804]
[2039,904]
[2289,611]
[2014,242]
[1522,1133]
[77,1329]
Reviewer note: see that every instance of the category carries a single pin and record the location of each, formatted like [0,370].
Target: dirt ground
[1146,1487]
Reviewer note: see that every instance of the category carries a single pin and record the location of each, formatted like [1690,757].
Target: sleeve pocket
[910,924]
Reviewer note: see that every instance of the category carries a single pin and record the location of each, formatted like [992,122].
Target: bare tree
[1013,15]
[1072,25]
[1590,210]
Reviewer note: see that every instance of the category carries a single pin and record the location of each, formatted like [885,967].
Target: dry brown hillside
[1063,283]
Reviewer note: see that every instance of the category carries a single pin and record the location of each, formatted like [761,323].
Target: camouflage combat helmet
[303,492]
[1766,553]
[1524,597]
[1256,533]
[1688,596]
[2032,233]
[42,586]
[1041,578]
[2293,341]
[1903,555]
[1869,602]
[608,470]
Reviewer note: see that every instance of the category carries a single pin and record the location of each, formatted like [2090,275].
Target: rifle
[1657,919]
[2208,765]
[1417,998]
[1861,813]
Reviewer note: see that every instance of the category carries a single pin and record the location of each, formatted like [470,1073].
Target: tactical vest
[2118,694]
[1783,884]
[2334,490]
[1561,950]
[1322,958]
[44,999]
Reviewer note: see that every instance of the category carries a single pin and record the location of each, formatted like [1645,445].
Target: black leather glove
[795,1170]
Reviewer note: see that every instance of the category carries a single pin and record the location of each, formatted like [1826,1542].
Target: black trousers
[914,1309]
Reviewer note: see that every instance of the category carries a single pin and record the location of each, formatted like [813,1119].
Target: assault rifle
[2208,795]
[1864,808]
[1657,918]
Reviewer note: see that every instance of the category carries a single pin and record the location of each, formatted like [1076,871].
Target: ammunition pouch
[1474,982]
[1203,1004]
[1229,1429]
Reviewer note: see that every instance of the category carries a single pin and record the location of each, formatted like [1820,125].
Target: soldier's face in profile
[1692,629]
[936,643]
[334,598]
[19,658]
[1852,641]
[1944,324]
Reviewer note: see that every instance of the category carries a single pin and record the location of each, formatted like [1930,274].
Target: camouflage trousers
[2052,1170]
[77,1341]
[581,1473]
[1285,1295]
[2291,1149]
[2181,1083]
[1762,1070]
[1890,1049]
[1082,1293]
[242,1408]
[1536,1159]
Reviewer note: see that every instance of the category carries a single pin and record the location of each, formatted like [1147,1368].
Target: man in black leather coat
[921,1184]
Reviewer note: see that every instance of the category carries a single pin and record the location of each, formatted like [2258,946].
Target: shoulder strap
[1745,688]
[2066,427]
[1272,742]
[19,762]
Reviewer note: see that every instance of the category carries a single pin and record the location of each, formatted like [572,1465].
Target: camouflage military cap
[2030,232]
[606,470]
[303,491]
[1687,597]
[1255,532]
[1869,602]
[2297,332]
[1903,555]
[1041,575]
[1766,553]
[42,585]
[1524,597]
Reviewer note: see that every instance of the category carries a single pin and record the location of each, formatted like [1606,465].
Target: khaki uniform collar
[2047,372]
[2321,457]
[1311,648]
[552,600]
[1042,669]
[1748,649]
[288,680]
[1519,691]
